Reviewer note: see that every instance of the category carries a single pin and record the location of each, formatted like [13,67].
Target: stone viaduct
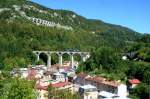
[84,56]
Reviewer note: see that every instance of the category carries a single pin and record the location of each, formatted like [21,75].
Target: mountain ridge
[91,21]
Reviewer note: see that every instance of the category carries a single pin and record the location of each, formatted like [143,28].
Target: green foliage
[105,62]
[16,88]
[40,62]
[15,62]
[103,58]
[142,48]
[141,92]
[21,89]
[145,38]
[9,3]
[139,70]
[61,94]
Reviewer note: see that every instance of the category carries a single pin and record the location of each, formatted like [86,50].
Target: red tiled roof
[57,85]
[38,86]
[95,79]
[31,74]
[99,79]
[134,81]
[60,84]
[111,83]
[66,68]
[102,80]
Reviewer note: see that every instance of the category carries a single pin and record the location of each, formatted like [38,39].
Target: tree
[15,62]
[54,93]
[139,70]
[40,62]
[16,88]
[21,89]
[146,76]
[104,58]
[10,63]
[141,91]
[107,57]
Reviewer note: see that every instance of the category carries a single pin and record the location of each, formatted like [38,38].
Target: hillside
[27,26]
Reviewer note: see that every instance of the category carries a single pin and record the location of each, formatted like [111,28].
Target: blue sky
[134,14]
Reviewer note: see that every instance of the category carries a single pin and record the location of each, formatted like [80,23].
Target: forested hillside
[19,35]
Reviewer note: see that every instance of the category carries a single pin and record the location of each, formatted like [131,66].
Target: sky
[134,14]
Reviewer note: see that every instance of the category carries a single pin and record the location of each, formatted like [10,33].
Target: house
[80,79]
[133,83]
[102,84]
[88,92]
[63,85]
[66,64]
[59,77]
[44,84]
[105,95]
[23,72]
[31,74]
[124,57]
[71,77]
[70,74]
[108,95]
[48,74]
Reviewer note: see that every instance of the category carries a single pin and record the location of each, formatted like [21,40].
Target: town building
[80,79]
[59,77]
[108,95]
[133,83]
[88,92]
[102,84]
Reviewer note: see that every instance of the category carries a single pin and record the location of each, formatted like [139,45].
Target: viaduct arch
[84,56]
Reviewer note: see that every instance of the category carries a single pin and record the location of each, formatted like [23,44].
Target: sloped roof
[31,74]
[82,75]
[134,81]
[60,84]
[111,83]
[96,79]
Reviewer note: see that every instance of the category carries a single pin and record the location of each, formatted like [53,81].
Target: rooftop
[106,94]
[31,74]
[88,87]
[111,83]
[82,75]
[98,79]
[134,81]
[60,84]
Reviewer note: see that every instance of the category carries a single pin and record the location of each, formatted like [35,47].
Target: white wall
[122,90]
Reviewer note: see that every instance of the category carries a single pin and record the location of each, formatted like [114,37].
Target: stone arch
[66,56]
[47,56]
[44,57]
[77,56]
[54,58]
